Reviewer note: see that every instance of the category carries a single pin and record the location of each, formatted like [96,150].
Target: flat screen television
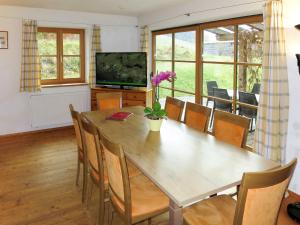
[121,69]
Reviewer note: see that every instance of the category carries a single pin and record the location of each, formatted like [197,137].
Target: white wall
[293,46]
[21,112]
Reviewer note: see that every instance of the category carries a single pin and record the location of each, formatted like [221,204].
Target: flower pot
[154,125]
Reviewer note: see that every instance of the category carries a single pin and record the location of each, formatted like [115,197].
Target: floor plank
[37,184]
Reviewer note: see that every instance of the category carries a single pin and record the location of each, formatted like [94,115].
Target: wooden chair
[111,100]
[258,201]
[230,128]
[135,199]
[97,165]
[81,156]
[174,108]
[197,116]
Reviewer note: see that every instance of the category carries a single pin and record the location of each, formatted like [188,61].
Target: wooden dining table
[187,165]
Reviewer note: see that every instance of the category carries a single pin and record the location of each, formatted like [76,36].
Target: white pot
[154,125]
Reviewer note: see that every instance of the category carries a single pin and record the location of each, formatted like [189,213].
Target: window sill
[63,85]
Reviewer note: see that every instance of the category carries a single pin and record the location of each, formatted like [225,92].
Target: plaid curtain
[31,67]
[144,33]
[272,122]
[95,47]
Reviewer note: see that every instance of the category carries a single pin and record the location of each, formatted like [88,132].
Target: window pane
[71,44]
[185,73]
[249,78]
[218,44]
[250,39]
[164,46]
[49,68]
[163,93]
[220,74]
[164,66]
[71,67]
[185,46]
[184,97]
[47,43]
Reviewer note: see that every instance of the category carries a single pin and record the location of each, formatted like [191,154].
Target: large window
[218,64]
[62,55]
[176,51]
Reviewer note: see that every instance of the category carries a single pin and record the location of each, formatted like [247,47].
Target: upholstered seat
[216,210]
[146,199]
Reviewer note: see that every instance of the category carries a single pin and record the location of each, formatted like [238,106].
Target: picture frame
[3,39]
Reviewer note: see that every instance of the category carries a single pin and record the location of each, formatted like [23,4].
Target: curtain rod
[206,10]
[75,23]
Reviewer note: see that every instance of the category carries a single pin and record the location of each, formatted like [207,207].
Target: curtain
[95,47]
[144,32]
[272,121]
[31,68]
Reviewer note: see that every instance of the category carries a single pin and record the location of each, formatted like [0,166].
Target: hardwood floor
[37,183]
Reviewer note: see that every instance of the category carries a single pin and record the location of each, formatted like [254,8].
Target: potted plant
[156,114]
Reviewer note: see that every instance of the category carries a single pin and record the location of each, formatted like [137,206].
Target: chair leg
[78,170]
[90,192]
[110,215]
[211,118]
[84,188]
[149,221]
[101,208]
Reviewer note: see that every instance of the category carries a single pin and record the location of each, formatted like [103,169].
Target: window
[225,54]
[176,51]
[62,55]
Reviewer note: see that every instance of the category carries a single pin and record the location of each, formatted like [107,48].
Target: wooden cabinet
[129,97]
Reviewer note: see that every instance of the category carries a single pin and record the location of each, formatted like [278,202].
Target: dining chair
[135,199]
[197,116]
[81,154]
[174,108]
[210,90]
[248,98]
[96,166]
[230,128]
[109,100]
[258,201]
[256,88]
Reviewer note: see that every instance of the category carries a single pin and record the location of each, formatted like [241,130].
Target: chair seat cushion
[217,210]
[146,199]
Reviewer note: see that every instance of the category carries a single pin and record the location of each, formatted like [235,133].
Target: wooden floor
[37,183]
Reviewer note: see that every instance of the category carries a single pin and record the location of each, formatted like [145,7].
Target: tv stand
[130,97]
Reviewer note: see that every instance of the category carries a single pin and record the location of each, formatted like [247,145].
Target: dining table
[187,165]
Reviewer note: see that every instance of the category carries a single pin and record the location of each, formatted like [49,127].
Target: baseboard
[9,138]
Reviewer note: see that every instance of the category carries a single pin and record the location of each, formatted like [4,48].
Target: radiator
[51,110]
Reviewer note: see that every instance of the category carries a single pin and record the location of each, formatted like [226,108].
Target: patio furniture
[248,98]
[210,90]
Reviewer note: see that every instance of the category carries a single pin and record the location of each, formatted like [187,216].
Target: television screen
[124,69]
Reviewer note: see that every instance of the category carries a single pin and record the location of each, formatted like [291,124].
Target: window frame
[199,28]
[60,55]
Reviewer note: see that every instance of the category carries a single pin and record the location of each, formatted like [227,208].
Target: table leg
[175,214]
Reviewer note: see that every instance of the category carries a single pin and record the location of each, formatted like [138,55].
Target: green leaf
[148,110]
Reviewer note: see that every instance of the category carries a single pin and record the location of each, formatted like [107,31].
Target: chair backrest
[222,94]
[248,98]
[210,87]
[117,176]
[174,108]
[109,100]
[261,194]
[230,128]
[197,116]
[91,141]
[77,126]
[256,88]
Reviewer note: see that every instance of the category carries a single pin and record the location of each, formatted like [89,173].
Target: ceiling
[119,7]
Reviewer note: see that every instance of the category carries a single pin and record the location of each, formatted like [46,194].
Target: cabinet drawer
[133,103]
[134,96]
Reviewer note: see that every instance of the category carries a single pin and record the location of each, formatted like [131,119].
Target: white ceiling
[120,7]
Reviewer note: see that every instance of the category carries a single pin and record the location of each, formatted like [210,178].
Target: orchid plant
[156,112]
